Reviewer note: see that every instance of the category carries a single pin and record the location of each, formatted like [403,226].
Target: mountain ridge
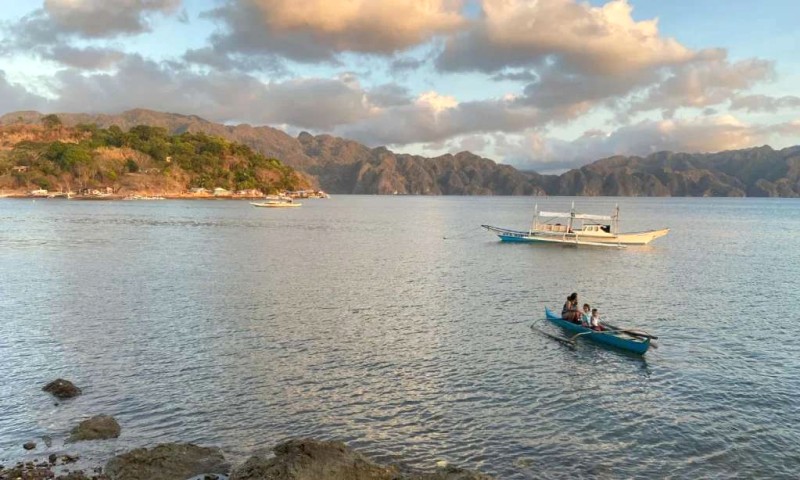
[340,165]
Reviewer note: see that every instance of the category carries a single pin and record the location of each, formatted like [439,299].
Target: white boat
[577,229]
[276,204]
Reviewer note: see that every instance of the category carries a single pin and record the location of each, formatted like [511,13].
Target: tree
[131,165]
[51,121]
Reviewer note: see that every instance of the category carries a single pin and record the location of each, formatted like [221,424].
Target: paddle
[635,333]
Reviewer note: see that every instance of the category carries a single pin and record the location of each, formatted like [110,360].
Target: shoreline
[293,459]
[143,197]
[298,458]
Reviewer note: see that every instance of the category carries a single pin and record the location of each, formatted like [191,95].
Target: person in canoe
[570,310]
[594,321]
[586,315]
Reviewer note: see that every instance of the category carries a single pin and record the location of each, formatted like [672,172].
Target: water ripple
[396,325]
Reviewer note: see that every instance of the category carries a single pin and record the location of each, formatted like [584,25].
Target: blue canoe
[618,340]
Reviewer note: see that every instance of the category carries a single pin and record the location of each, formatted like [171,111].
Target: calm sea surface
[398,325]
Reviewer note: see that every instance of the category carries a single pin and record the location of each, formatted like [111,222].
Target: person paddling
[570,310]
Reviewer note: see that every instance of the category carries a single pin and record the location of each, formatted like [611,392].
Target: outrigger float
[576,229]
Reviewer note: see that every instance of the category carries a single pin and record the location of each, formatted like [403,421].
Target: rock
[69,458]
[53,458]
[308,459]
[447,473]
[99,427]
[169,461]
[62,389]
[48,441]
[29,445]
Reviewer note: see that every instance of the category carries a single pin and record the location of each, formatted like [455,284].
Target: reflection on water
[399,326]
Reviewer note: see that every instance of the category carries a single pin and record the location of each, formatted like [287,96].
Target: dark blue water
[399,326]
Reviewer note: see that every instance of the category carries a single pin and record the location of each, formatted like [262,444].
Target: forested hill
[143,159]
[345,166]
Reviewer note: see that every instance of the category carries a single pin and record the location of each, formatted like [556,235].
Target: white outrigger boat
[276,202]
[577,229]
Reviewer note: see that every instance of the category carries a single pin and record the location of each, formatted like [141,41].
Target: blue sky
[541,84]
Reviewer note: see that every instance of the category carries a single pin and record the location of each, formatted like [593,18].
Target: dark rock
[69,458]
[29,445]
[169,461]
[53,458]
[99,427]
[48,441]
[62,389]
[308,459]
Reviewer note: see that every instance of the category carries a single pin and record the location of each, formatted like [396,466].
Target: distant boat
[276,203]
[577,229]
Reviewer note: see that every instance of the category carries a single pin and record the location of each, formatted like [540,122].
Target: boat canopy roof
[577,216]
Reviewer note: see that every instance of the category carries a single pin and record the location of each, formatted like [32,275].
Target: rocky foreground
[298,459]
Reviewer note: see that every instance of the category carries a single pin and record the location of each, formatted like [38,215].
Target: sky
[543,85]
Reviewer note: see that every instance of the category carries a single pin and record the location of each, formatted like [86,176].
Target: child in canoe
[586,316]
[594,321]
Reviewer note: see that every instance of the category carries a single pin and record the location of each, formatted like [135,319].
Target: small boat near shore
[276,204]
[631,341]
[574,228]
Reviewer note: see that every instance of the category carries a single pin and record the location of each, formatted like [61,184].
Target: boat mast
[535,221]
[615,222]
[571,217]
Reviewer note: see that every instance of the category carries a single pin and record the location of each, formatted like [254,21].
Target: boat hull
[275,204]
[578,238]
[631,345]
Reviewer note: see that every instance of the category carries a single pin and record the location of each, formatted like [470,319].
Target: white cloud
[579,37]
[764,103]
[314,30]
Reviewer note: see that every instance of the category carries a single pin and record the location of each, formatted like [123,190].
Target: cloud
[433,117]
[708,80]
[15,97]
[578,37]
[220,96]
[49,32]
[89,58]
[703,134]
[569,96]
[104,18]
[402,64]
[389,95]
[317,30]
[223,61]
[764,103]
[576,57]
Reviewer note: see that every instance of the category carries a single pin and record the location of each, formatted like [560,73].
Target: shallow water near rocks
[399,326]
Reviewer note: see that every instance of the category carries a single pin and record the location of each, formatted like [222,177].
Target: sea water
[399,326]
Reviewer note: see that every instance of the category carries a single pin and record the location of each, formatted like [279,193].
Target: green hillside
[142,159]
